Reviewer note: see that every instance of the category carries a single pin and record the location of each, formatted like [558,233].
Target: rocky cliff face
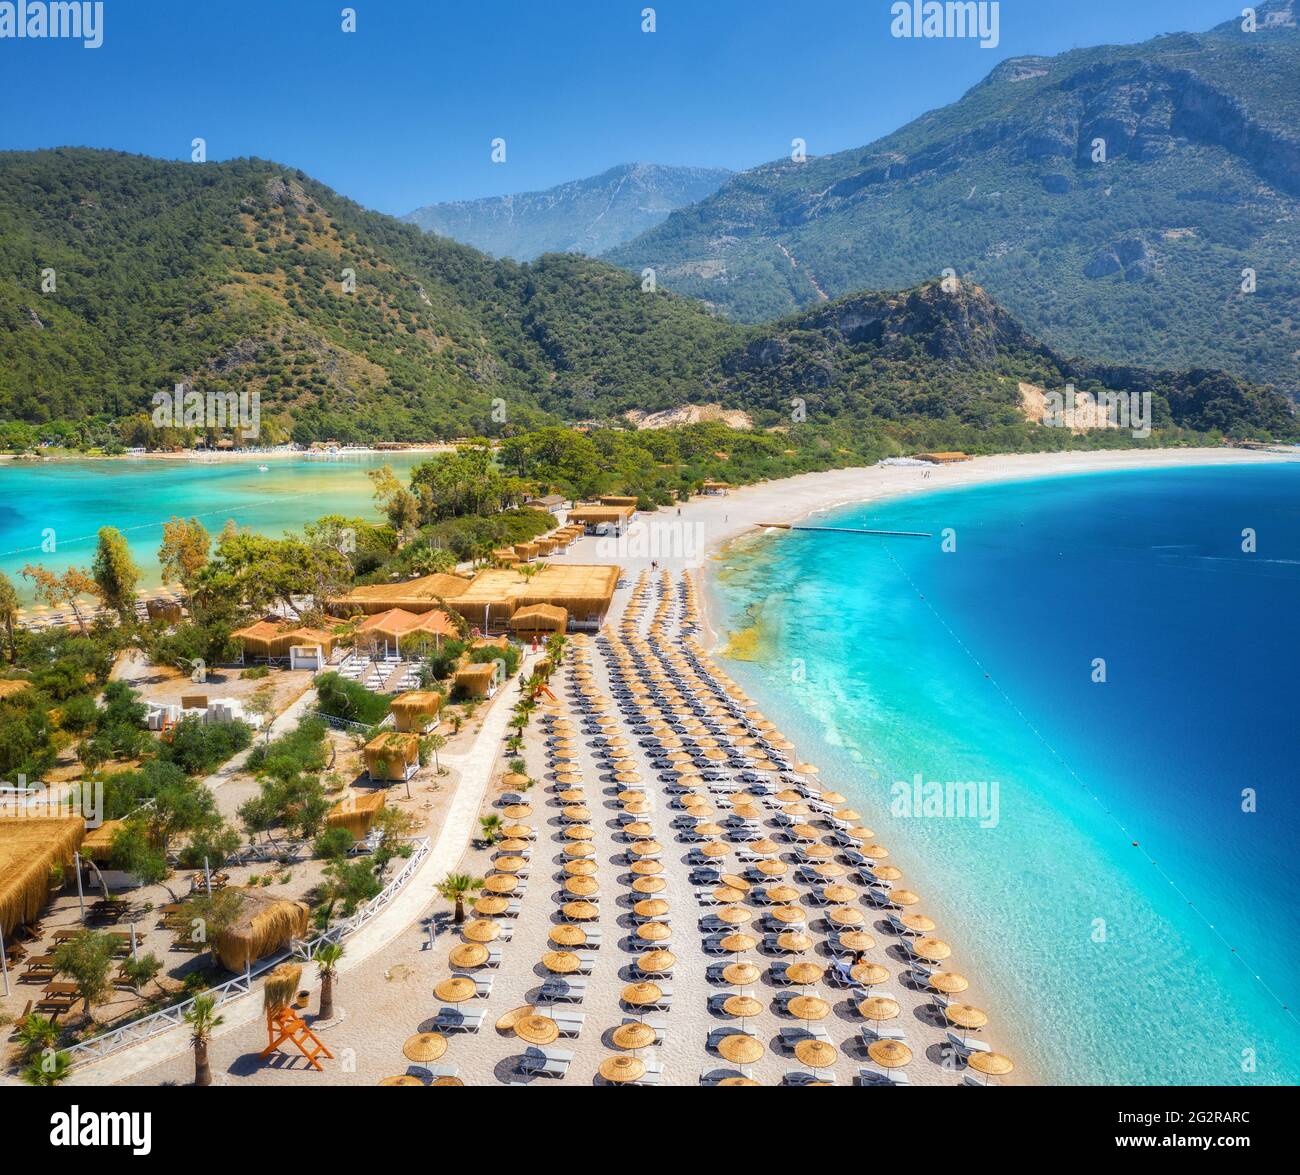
[1090,193]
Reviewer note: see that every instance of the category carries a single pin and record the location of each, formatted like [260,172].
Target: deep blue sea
[1099,960]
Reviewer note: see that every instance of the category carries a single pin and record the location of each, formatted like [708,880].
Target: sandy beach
[386,991]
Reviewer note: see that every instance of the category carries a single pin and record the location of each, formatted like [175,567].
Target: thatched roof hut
[585,591]
[415,595]
[392,755]
[506,557]
[269,638]
[417,710]
[478,680]
[617,500]
[264,925]
[98,845]
[31,852]
[539,620]
[526,551]
[356,813]
[610,518]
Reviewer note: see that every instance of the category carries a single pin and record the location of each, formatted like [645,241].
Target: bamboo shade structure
[356,813]
[263,926]
[617,500]
[29,850]
[269,639]
[98,845]
[539,620]
[475,680]
[390,754]
[417,710]
[415,595]
[526,551]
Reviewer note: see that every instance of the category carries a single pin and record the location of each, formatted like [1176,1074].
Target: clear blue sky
[402,112]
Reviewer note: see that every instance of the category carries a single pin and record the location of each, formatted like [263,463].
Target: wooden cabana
[617,500]
[505,557]
[32,852]
[356,813]
[263,926]
[539,621]
[527,552]
[544,547]
[413,595]
[479,680]
[416,712]
[393,756]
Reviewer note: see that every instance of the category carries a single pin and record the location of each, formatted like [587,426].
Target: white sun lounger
[572,990]
[455,1020]
[551,1061]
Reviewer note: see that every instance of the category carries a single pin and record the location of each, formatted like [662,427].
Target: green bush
[340,698]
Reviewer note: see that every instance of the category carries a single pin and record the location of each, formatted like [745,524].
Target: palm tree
[47,1069]
[456,887]
[203,1020]
[491,827]
[36,1034]
[327,959]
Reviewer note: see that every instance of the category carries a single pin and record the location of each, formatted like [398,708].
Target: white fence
[147,1027]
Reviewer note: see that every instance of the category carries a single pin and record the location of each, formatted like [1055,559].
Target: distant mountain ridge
[248,276]
[587,215]
[1137,258]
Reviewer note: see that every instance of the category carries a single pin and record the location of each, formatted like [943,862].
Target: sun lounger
[965,1045]
[873,1032]
[430,1072]
[455,1020]
[551,1061]
[569,1023]
[803,1077]
[571,990]
[654,1072]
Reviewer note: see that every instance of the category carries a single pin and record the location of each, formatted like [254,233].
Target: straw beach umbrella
[878,1008]
[561,962]
[424,1046]
[455,990]
[889,1054]
[480,930]
[990,1064]
[567,935]
[816,1054]
[622,1069]
[740,1048]
[468,954]
[537,1029]
[966,1016]
[634,1035]
[741,973]
[640,995]
[949,982]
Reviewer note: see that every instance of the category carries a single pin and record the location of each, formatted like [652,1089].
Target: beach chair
[595,936]
[803,1077]
[455,1020]
[483,985]
[965,1045]
[552,1062]
[569,1023]
[654,1072]
[494,956]
[559,990]
[871,1033]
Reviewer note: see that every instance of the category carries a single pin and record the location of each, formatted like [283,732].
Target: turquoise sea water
[1099,961]
[73,499]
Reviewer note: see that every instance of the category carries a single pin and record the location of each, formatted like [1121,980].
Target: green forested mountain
[1139,258]
[237,276]
[582,216]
